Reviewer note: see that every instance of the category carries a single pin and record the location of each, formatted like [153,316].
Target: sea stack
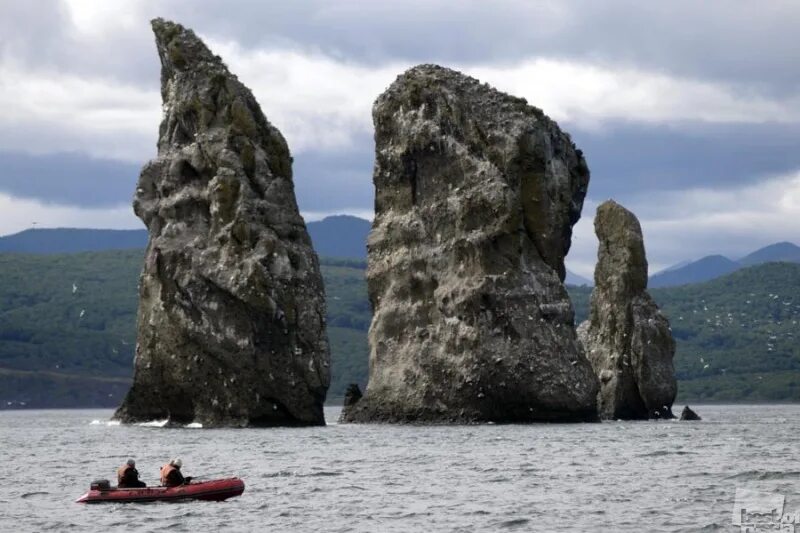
[689,414]
[627,338]
[476,193]
[231,323]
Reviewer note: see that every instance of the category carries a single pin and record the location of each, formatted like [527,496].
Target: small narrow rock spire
[627,338]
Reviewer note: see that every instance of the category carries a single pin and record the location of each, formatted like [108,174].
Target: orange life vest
[122,472]
[166,470]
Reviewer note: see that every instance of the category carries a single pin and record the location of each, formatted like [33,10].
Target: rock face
[688,414]
[352,395]
[231,324]
[476,195]
[627,338]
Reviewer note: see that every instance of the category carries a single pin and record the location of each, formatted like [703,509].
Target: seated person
[128,476]
[171,475]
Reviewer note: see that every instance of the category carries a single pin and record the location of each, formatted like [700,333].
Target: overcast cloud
[689,113]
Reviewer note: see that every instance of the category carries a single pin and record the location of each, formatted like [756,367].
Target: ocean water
[613,476]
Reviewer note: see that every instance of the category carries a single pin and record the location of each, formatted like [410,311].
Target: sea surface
[612,476]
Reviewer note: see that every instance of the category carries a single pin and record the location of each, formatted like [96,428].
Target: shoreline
[339,405]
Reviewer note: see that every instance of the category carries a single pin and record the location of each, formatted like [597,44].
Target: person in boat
[128,476]
[171,475]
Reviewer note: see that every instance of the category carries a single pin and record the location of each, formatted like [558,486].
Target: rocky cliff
[627,338]
[231,323]
[476,193]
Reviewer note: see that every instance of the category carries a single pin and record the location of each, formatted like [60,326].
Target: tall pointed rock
[476,193]
[231,324]
[627,338]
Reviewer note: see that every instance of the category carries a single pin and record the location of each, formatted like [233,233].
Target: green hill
[340,236]
[737,336]
[67,326]
[67,329]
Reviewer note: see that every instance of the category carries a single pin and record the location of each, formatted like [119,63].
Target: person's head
[177,463]
[131,462]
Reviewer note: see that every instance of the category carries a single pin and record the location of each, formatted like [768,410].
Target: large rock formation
[627,338]
[231,327]
[476,195]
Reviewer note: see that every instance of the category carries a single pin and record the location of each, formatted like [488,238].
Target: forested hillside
[67,326]
[737,336]
[67,329]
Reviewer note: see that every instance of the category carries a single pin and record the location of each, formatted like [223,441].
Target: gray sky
[688,112]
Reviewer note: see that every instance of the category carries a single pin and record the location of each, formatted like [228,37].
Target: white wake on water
[154,423]
[151,423]
[104,423]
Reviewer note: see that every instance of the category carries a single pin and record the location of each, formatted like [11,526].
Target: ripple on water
[514,523]
[585,477]
[660,453]
[280,473]
[762,475]
[33,494]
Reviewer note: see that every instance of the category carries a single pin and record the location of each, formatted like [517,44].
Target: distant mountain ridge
[345,236]
[705,269]
[715,266]
[577,280]
[781,251]
[337,236]
[72,240]
[334,236]
[340,236]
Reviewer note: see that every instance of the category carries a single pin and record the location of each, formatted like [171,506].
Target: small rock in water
[352,395]
[688,414]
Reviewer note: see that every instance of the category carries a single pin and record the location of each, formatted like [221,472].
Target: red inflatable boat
[216,490]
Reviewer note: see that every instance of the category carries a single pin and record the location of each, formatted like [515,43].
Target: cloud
[675,104]
[318,102]
[582,254]
[727,42]
[587,95]
[738,43]
[697,222]
[335,180]
[67,178]
[105,20]
[42,111]
[626,158]
[693,223]
[323,104]
[20,214]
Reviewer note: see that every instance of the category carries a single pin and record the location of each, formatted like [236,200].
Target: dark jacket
[128,477]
